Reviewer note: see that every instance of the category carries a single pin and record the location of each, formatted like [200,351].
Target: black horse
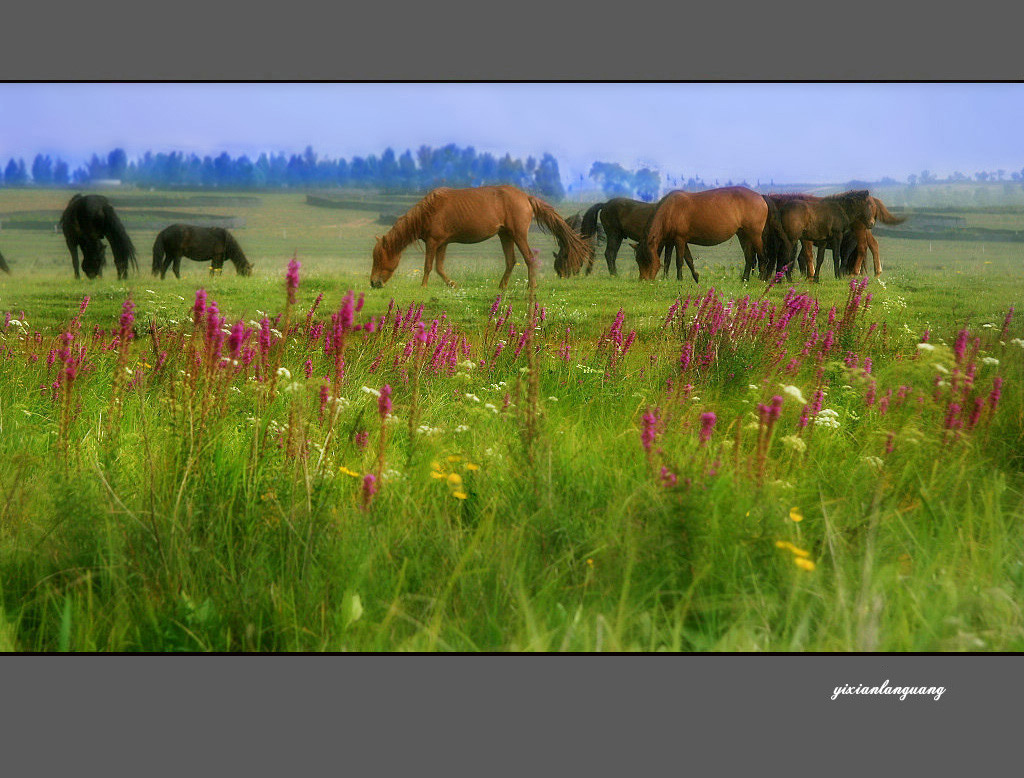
[86,221]
[202,244]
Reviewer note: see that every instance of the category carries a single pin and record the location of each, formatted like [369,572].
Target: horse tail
[3,265]
[885,216]
[578,251]
[589,225]
[120,243]
[158,254]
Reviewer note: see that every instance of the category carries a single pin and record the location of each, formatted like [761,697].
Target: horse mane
[411,224]
[120,243]
[234,252]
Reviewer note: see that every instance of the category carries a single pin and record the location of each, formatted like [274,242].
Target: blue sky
[806,133]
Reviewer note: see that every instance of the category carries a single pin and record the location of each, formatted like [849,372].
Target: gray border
[521,40]
[495,715]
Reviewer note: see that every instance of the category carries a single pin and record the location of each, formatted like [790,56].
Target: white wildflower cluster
[467,364]
[462,428]
[875,462]
[794,392]
[369,390]
[753,386]
[894,303]
[925,347]
[275,428]
[425,429]
[553,399]
[472,397]
[1017,342]
[588,369]
[285,373]
[942,368]
[795,443]
[827,417]
[292,388]
[989,361]
[491,407]
[391,475]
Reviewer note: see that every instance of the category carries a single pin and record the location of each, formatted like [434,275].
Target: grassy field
[611,465]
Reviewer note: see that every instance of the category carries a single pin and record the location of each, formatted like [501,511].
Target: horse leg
[439,262]
[611,250]
[683,250]
[508,246]
[875,254]
[73,246]
[428,260]
[669,249]
[527,252]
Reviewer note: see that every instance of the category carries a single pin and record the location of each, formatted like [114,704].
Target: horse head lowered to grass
[86,222]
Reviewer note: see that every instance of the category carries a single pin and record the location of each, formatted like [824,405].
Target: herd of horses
[775,232]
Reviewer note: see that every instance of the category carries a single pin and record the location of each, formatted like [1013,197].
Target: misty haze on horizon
[786,133]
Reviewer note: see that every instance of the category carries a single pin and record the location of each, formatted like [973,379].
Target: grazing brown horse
[3,265]
[470,216]
[597,239]
[202,244]
[822,220]
[622,218]
[704,219]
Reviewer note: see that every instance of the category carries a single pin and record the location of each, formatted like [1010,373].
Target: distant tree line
[426,169]
[409,172]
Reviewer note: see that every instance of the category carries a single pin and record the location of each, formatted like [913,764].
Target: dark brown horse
[622,218]
[202,244]
[597,239]
[704,219]
[470,216]
[822,220]
[3,265]
[86,221]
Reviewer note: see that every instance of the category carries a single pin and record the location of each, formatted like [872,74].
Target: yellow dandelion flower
[799,551]
[454,480]
[346,471]
[460,495]
[590,562]
[435,465]
[454,458]
[782,544]
[471,466]
[435,474]
[804,564]
[795,514]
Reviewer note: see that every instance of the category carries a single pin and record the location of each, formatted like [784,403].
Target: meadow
[297,462]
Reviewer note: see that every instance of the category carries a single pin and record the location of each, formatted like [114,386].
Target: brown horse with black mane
[822,221]
[865,240]
[622,218]
[470,216]
[202,244]
[704,219]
